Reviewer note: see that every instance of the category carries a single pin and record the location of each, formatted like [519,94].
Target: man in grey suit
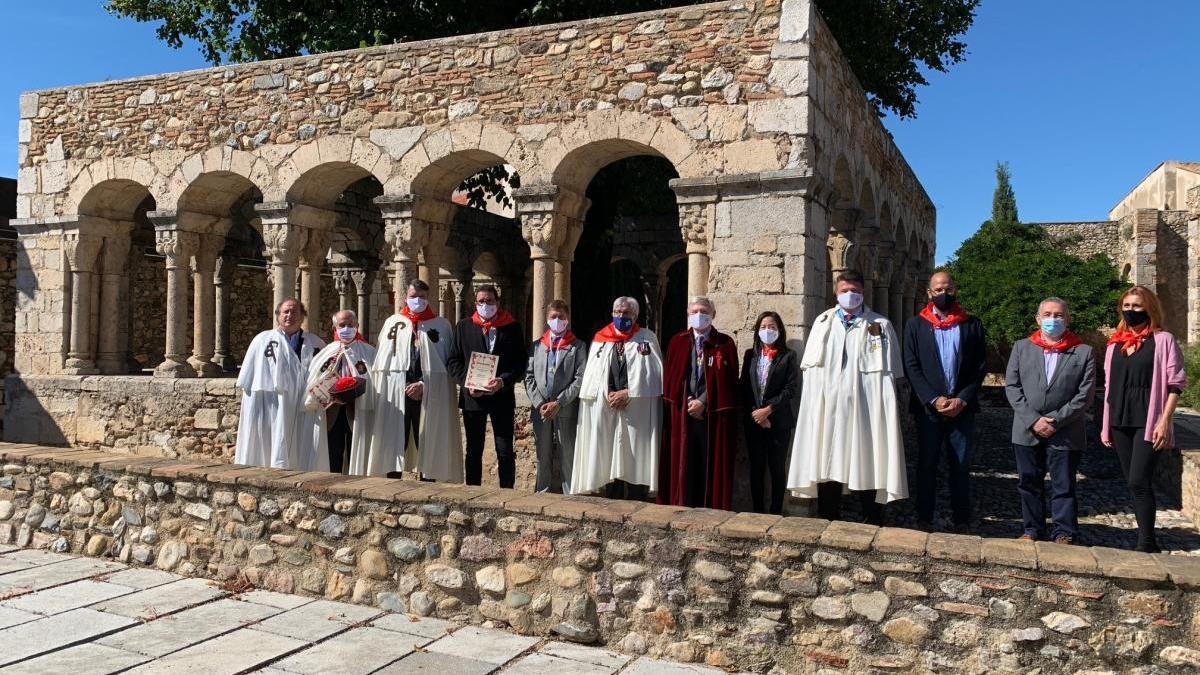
[552,381]
[1051,379]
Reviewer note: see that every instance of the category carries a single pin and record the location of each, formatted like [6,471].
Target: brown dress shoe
[1026,537]
[1064,539]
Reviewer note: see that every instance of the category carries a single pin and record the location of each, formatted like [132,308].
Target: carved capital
[341,280]
[362,281]
[694,224]
[283,241]
[841,252]
[405,237]
[226,265]
[204,258]
[81,250]
[176,246]
[316,247]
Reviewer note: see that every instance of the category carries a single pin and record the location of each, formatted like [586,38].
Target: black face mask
[1135,317]
[944,301]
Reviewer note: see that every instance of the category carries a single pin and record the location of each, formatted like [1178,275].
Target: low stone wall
[745,591]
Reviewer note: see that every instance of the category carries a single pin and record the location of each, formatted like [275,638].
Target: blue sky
[1082,98]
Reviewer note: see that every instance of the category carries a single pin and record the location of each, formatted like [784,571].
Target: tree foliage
[1006,268]
[887,42]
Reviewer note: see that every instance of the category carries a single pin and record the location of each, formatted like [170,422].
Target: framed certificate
[481,370]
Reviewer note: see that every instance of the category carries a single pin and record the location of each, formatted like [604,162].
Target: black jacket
[510,346]
[923,364]
[782,381]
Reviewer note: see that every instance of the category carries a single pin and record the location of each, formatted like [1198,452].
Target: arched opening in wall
[113,214]
[674,272]
[633,218]
[243,275]
[844,217]
[1125,272]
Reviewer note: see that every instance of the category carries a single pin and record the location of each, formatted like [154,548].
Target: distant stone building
[1153,236]
[160,218]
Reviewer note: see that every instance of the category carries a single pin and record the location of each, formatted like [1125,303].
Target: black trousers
[697,462]
[339,438]
[1138,459]
[768,450]
[829,503]
[475,426]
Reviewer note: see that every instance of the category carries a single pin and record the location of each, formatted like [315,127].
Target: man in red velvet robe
[700,434]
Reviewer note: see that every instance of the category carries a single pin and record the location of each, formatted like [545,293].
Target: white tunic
[440,454]
[619,444]
[274,429]
[848,429]
[352,354]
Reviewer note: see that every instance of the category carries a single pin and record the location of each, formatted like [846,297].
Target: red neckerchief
[1131,338]
[955,316]
[1064,343]
[501,319]
[358,337]
[769,351]
[416,319]
[564,340]
[609,334]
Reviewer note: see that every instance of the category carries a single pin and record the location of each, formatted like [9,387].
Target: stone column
[204,261]
[881,271]
[405,235]
[697,201]
[362,290]
[651,282]
[110,353]
[177,246]
[284,241]
[547,214]
[462,289]
[562,267]
[226,266]
[80,252]
[341,285]
[312,263]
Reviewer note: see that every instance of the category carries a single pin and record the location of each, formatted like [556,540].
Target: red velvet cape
[721,379]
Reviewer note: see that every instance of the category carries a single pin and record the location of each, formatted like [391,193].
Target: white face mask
[347,333]
[485,310]
[850,300]
[699,321]
[417,304]
[768,335]
[557,326]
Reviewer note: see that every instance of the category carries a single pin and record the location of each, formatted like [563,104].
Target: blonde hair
[1149,302]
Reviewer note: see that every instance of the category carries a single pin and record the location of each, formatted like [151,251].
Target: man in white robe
[346,420]
[848,434]
[620,410]
[414,419]
[274,428]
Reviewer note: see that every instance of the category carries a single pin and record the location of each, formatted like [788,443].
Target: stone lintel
[395,205]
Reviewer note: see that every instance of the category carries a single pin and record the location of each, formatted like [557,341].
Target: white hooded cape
[619,444]
[848,427]
[352,354]
[274,428]
[440,454]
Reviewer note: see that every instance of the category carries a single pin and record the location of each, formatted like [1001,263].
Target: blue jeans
[955,436]
[1033,462]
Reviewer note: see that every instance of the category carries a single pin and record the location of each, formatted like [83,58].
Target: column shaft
[110,356]
[543,286]
[177,247]
[222,296]
[80,252]
[203,305]
[697,273]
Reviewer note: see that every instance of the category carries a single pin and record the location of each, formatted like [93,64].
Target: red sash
[1131,338]
[769,351]
[502,318]
[609,334]
[956,316]
[425,315]
[1064,343]
[564,341]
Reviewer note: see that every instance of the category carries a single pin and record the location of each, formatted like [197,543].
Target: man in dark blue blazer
[945,360]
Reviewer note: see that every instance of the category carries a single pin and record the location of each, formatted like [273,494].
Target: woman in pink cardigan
[1143,374]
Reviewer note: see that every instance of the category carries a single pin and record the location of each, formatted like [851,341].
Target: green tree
[888,42]
[1006,268]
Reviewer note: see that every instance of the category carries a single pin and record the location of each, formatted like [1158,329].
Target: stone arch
[410,152]
[104,179]
[843,184]
[316,173]
[578,166]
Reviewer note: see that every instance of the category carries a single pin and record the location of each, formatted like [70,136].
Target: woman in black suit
[768,384]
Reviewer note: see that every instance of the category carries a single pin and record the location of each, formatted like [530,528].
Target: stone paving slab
[436,663]
[273,599]
[36,556]
[57,632]
[582,654]
[483,644]
[545,664]
[403,623]
[317,620]
[184,629]
[162,600]
[5,548]
[54,574]
[356,652]
[85,659]
[9,565]
[13,617]
[142,578]
[232,653]
[67,597]
[648,666]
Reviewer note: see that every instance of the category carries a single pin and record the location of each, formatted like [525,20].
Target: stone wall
[251,311]
[1086,239]
[745,591]
[8,303]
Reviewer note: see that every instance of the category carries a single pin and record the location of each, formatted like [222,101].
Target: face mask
[1135,317]
[557,326]
[944,301]
[347,333]
[485,310]
[1054,327]
[850,300]
[768,335]
[417,305]
[699,321]
[622,323]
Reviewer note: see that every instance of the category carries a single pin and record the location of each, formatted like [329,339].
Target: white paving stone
[434,663]
[544,664]
[184,629]
[647,666]
[483,644]
[584,654]
[54,574]
[13,617]
[273,599]
[403,623]
[162,600]
[231,653]
[9,565]
[360,650]
[141,577]
[5,548]
[85,659]
[67,597]
[37,556]
[317,620]
[56,632]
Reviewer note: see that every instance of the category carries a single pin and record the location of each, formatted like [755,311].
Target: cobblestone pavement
[1106,511]
[62,613]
